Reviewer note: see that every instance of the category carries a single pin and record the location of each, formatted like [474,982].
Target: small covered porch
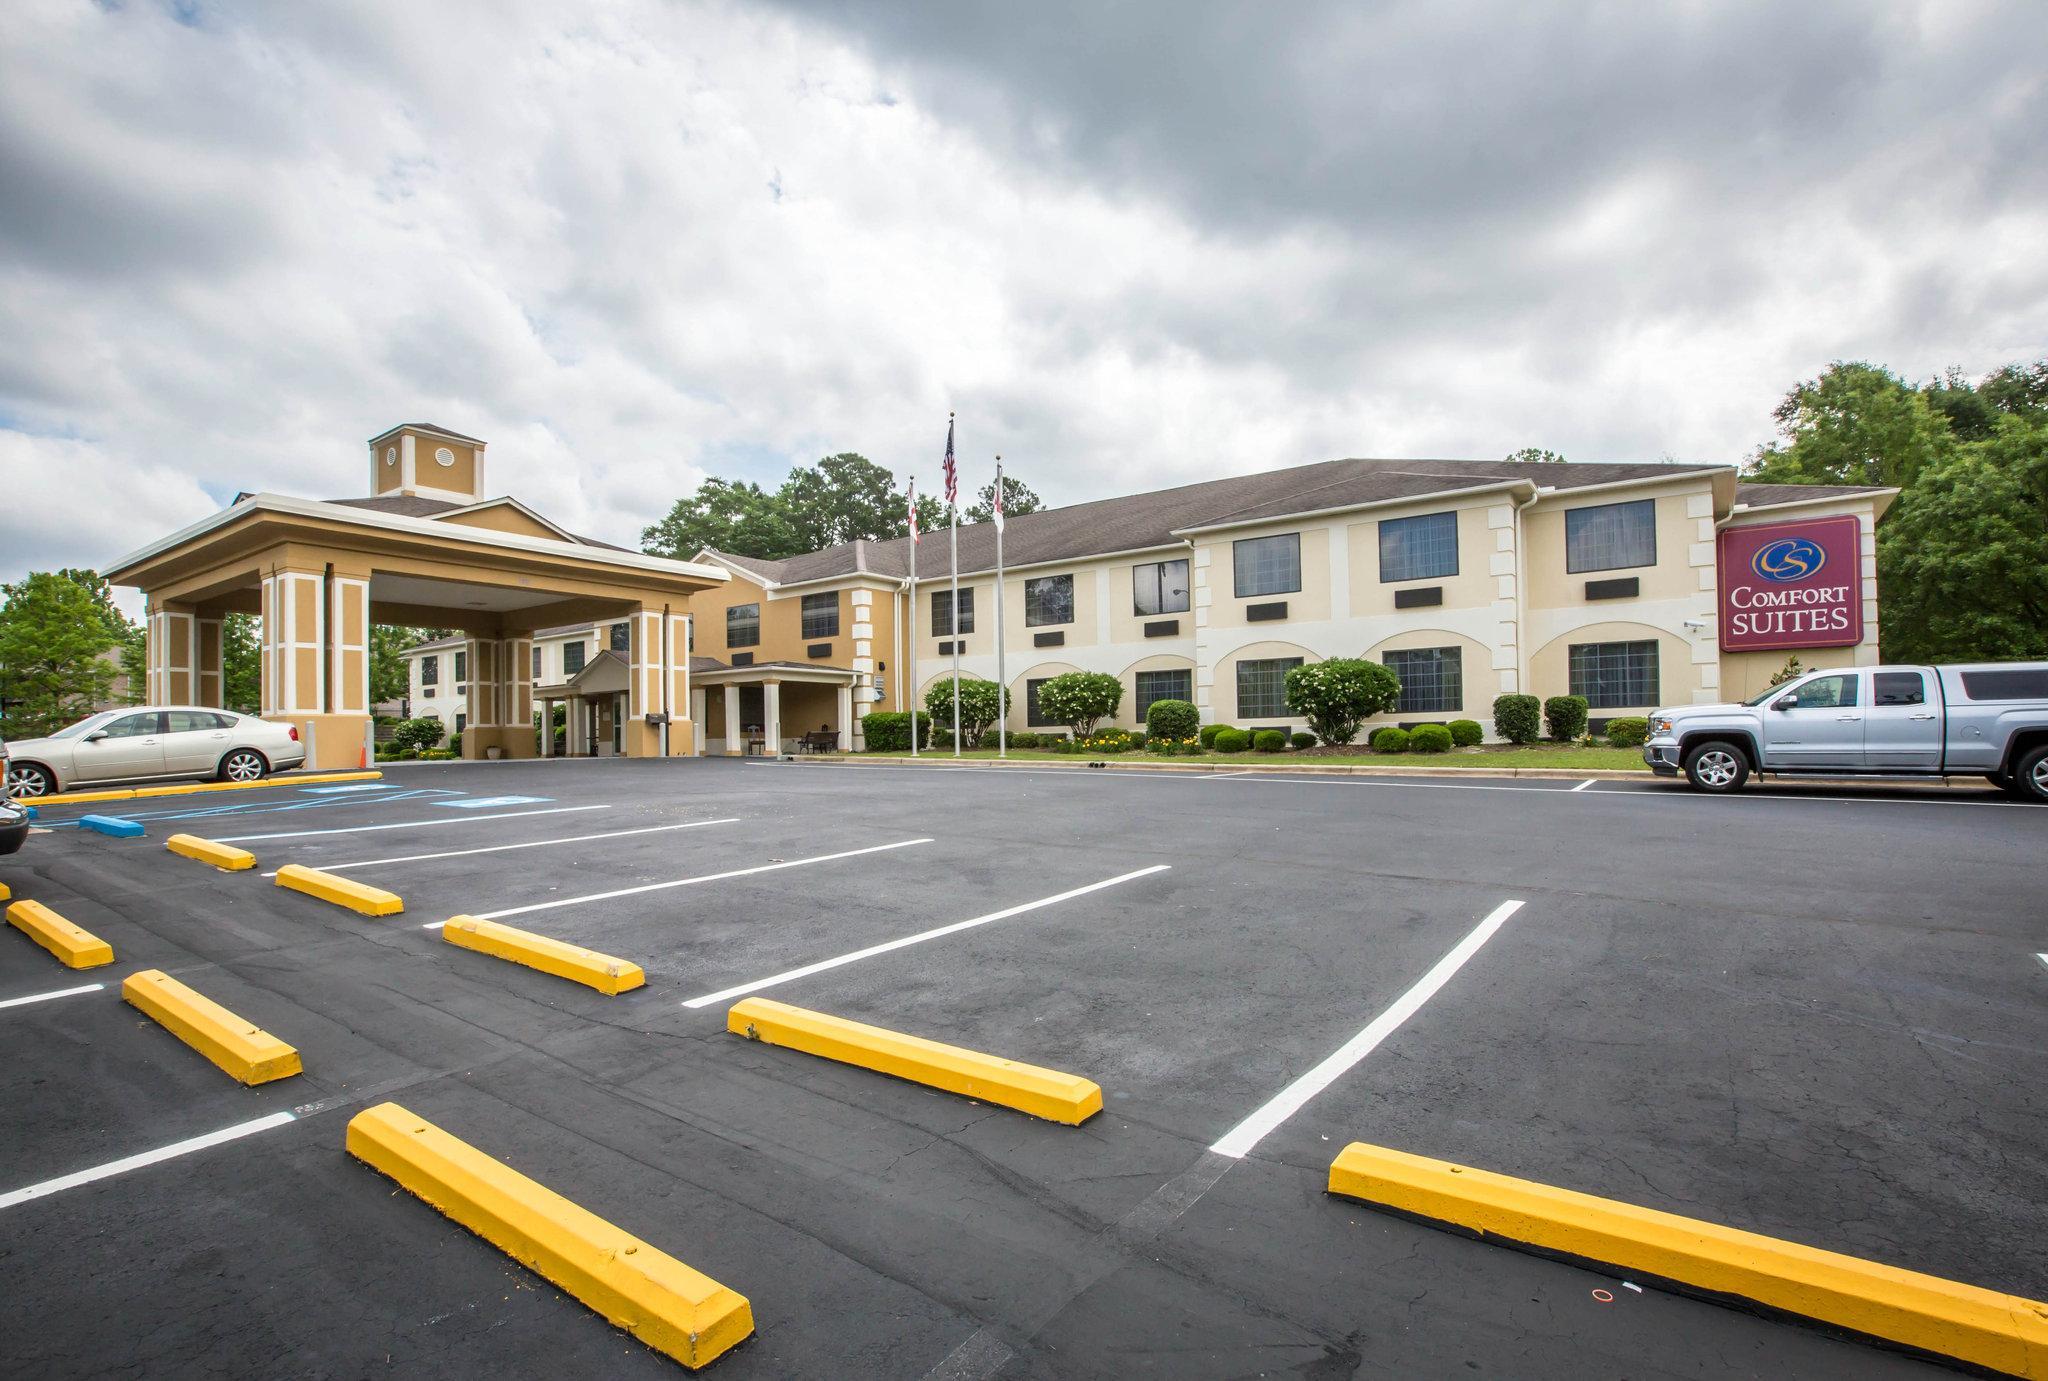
[596,705]
[773,708]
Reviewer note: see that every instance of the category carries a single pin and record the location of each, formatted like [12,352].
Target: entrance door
[1821,727]
[753,715]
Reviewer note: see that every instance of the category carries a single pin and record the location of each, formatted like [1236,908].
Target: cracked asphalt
[1811,1013]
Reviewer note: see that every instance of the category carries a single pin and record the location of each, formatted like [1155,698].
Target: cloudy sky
[1132,245]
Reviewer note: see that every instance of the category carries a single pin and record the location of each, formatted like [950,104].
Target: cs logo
[1788,559]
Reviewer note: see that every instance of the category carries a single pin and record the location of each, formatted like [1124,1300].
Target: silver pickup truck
[1988,719]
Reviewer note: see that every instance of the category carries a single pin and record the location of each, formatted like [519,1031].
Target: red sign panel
[1792,585]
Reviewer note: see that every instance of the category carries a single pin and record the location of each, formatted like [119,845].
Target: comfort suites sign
[1792,585]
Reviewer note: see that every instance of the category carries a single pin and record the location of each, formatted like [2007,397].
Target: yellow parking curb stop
[249,1053]
[1043,1093]
[225,856]
[74,948]
[603,972]
[356,896]
[673,1309]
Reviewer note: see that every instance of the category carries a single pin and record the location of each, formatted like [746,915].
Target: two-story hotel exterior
[1469,578]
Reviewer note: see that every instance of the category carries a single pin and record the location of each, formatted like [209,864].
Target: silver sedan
[139,745]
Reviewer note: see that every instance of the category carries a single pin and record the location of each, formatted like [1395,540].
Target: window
[743,625]
[1899,688]
[572,657]
[536,664]
[1048,599]
[2024,684]
[821,615]
[461,668]
[1262,687]
[1418,548]
[430,671]
[1033,716]
[1160,588]
[136,725]
[1611,536]
[1432,679]
[942,613]
[1828,693]
[1163,685]
[461,721]
[195,722]
[1268,565]
[1615,676]
[622,637]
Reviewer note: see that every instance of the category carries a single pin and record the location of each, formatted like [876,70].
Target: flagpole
[912,697]
[956,628]
[1002,677]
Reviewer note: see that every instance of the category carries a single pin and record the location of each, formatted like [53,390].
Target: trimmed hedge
[1392,739]
[1304,740]
[1172,719]
[1565,717]
[888,731]
[417,734]
[1430,738]
[1232,741]
[1517,718]
[1628,732]
[1206,735]
[1466,733]
[1270,740]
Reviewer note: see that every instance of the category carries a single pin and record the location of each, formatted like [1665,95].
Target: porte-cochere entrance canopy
[425,549]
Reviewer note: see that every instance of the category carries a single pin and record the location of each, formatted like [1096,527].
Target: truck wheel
[1716,766]
[2030,775]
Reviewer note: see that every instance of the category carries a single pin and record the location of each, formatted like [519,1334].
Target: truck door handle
[1921,716]
[1848,718]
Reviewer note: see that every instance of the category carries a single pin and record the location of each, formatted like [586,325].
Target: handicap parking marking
[479,802]
[342,790]
[269,807]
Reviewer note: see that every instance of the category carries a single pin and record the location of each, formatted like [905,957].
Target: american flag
[910,498]
[952,474]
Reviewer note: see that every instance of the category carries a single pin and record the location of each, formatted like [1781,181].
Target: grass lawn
[1483,759]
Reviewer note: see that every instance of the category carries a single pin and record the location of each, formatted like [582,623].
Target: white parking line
[1240,1140]
[404,824]
[127,1163]
[872,950]
[560,902]
[529,844]
[1653,794]
[46,997]
[1583,785]
[2043,958]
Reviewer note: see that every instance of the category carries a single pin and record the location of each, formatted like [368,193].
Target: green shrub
[1392,739]
[1024,739]
[1164,747]
[1565,717]
[1628,732]
[1080,700]
[888,731]
[1270,740]
[417,734]
[1232,741]
[1140,739]
[1303,740]
[1172,719]
[454,745]
[1339,695]
[939,737]
[1430,738]
[1517,718]
[1466,733]
[1206,735]
[982,703]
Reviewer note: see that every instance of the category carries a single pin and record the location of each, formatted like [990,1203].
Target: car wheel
[243,765]
[2030,775]
[1716,766]
[27,780]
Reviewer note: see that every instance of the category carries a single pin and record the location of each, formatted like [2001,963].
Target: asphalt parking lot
[1817,1014]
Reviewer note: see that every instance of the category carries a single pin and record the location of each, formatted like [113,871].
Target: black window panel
[1419,597]
[1267,565]
[1420,548]
[821,615]
[1614,676]
[1611,536]
[743,625]
[1164,628]
[536,664]
[1033,716]
[572,657]
[1621,587]
[942,613]
[1049,639]
[742,659]
[1432,679]
[1262,686]
[1266,613]
[818,650]
[1048,599]
[430,670]
[1899,688]
[622,637]
[1160,587]
[461,667]
[2024,684]
[1161,685]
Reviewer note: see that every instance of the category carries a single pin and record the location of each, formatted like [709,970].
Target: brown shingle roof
[1766,495]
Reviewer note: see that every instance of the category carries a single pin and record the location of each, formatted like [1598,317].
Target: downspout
[1522,597]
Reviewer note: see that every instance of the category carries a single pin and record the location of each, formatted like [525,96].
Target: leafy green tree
[1016,499]
[52,635]
[1855,424]
[734,516]
[135,666]
[982,703]
[1080,700]
[241,659]
[1338,696]
[128,637]
[1528,453]
[841,498]
[390,678]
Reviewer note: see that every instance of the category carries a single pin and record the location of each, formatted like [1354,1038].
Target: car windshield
[91,721]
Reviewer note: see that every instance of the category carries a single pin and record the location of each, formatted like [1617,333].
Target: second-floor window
[944,625]
[743,625]
[536,664]
[622,637]
[1267,565]
[821,615]
[430,670]
[1422,548]
[572,657]
[1049,599]
[1611,536]
[461,668]
[1160,587]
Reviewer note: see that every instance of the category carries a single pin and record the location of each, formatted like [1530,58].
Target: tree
[980,706]
[390,677]
[841,498]
[128,637]
[241,663]
[1531,453]
[52,635]
[1016,499]
[1080,699]
[728,515]
[1855,424]
[1339,695]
